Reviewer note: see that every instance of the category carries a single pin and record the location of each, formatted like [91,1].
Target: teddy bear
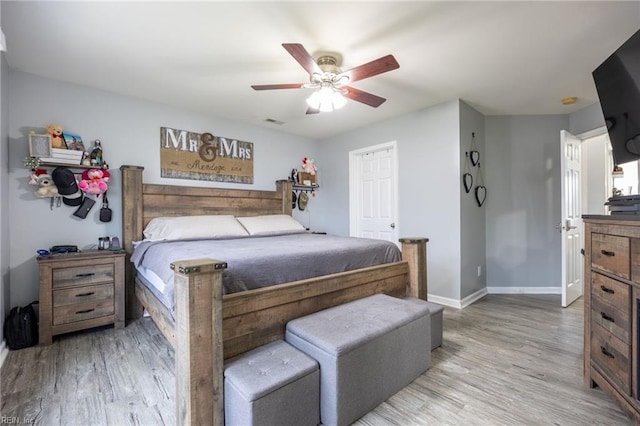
[94,181]
[308,166]
[57,140]
[43,179]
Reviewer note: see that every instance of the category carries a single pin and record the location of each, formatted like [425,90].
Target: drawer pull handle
[606,352]
[607,317]
[608,253]
[607,289]
[86,294]
[89,274]
[86,311]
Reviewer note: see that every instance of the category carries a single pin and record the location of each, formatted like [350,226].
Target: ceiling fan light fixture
[326,99]
[332,83]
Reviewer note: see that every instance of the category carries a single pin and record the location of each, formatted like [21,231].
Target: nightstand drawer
[82,294]
[612,292]
[611,356]
[610,253]
[82,275]
[82,311]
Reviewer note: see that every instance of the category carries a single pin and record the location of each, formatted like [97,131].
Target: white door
[373,207]
[571,225]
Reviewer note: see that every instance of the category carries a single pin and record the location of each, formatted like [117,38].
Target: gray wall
[129,129]
[523,181]
[472,216]
[586,119]
[429,185]
[512,237]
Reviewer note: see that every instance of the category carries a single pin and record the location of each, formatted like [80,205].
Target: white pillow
[271,224]
[188,227]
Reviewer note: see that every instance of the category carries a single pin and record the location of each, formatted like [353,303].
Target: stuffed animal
[34,176]
[94,181]
[57,140]
[308,166]
[43,179]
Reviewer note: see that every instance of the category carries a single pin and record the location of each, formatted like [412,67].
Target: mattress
[256,262]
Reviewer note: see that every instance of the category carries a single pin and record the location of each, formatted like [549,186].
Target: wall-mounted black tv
[618,84]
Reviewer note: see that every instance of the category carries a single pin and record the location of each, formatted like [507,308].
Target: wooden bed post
[284,187]
[132,227]
[199,350]
[414,251]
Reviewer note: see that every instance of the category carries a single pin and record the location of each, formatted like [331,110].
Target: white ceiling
[499,57]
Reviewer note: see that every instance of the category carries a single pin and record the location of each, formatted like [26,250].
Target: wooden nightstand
[79,291]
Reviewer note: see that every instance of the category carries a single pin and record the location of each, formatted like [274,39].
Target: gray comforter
[263,261]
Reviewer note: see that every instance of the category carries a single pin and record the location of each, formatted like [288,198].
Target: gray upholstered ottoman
[367,349]
[275,384]
[436,321]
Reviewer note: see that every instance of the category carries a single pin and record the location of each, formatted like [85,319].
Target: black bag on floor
[21,327]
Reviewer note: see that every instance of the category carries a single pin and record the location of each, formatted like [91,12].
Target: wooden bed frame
[210,327]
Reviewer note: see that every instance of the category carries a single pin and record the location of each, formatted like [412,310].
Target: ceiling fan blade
[303,57]
[312,111]
[378,66]
[363,97]
[277,86]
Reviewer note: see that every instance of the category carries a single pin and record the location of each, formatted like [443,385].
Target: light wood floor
[506,360]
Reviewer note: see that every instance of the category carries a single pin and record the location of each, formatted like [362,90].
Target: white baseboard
[461,304]
[445,301]
[473,297]
[524,290]
[458,304]
[4,351]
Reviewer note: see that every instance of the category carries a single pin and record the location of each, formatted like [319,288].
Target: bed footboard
[211,327]
[199,357]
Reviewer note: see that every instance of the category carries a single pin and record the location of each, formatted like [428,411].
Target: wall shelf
[71,166]
[305,188]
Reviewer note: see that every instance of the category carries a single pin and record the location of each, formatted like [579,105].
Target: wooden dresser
[79,291]
[611,302]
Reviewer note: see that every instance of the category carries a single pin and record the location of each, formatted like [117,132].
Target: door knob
[393,226]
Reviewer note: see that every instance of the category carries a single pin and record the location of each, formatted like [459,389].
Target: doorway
[373,200]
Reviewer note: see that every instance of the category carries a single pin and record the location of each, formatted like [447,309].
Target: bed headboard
[142,202]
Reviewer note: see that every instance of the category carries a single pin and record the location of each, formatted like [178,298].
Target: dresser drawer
[614,321]
[82,275]
[82,311]
[611,253]
[612,292]
[72,295]
[611,356]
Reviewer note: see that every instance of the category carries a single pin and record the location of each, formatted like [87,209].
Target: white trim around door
[355,186]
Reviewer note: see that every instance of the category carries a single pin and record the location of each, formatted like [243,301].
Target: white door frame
[571,227]
[354,183]
[563,224]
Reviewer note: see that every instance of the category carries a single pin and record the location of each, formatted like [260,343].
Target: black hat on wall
[67,186]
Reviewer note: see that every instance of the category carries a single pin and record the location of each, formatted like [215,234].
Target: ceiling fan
[325,74]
